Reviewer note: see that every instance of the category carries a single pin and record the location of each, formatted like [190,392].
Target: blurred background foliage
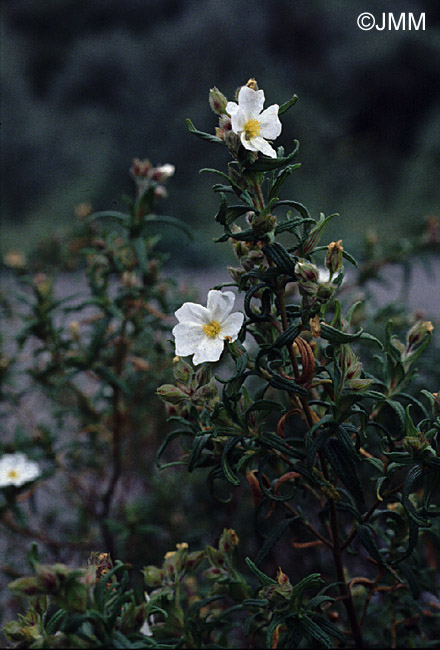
[89,85]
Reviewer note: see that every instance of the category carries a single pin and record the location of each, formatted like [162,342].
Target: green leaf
[201,134]
[368,540]
[285,107]
[230,475]
[281,257]
[300,208]
[312,581]
[313,630]
[342,462]
[280,180]
[170,221]
[264,405]
[276,532]
[139,246]
[109,214]
[264,579]
[288,336]
[334,335]
[199,443]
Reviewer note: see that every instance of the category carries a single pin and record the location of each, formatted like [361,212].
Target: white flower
[145,629]
[17,469]
[202,331]
[166,170]
[254,125]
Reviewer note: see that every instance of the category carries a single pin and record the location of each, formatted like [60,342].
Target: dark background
[87,86]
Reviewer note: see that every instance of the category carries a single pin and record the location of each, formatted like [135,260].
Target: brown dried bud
[333,260]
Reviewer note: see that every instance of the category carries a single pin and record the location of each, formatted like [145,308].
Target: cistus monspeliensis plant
[307,429]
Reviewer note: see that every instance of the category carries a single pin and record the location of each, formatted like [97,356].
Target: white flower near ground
[202,331]
[146,629]
[252,124]
[16,469]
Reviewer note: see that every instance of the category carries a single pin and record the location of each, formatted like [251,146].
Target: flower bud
[235,273]
[262,225]
[141,168]
[252,83]
[307,272]
[217,101]
[228,541]
[333,260]
[418,332]
[48,578]
[171,394]
[203,375]
[153,576]
[207,392]
[182,371]
[28,586]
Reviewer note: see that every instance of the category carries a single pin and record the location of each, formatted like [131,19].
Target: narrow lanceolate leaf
[345,468]
[170,221]
[229,473]
[313,629]
[201,134]
[312,581]
[276,532]
[199,444]
[109,214]
[299,207]
[281,257]
[334,335]
[368,541]
[280,180]
[262,577]
[285,107]
[288,336]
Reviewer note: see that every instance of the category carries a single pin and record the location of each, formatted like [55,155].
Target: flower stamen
[212,329]
[12,473]
[252,129]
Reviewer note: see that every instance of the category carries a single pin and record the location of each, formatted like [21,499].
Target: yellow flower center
[212,329]
[12,473]
[251,129]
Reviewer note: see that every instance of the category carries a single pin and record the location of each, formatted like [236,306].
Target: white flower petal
[220,304]
[238,120]
[232,325]
[247,144]
[262,145]
[209,350]
[188,337]
[231,108]
[191,312]
[270,123]
[251,101]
